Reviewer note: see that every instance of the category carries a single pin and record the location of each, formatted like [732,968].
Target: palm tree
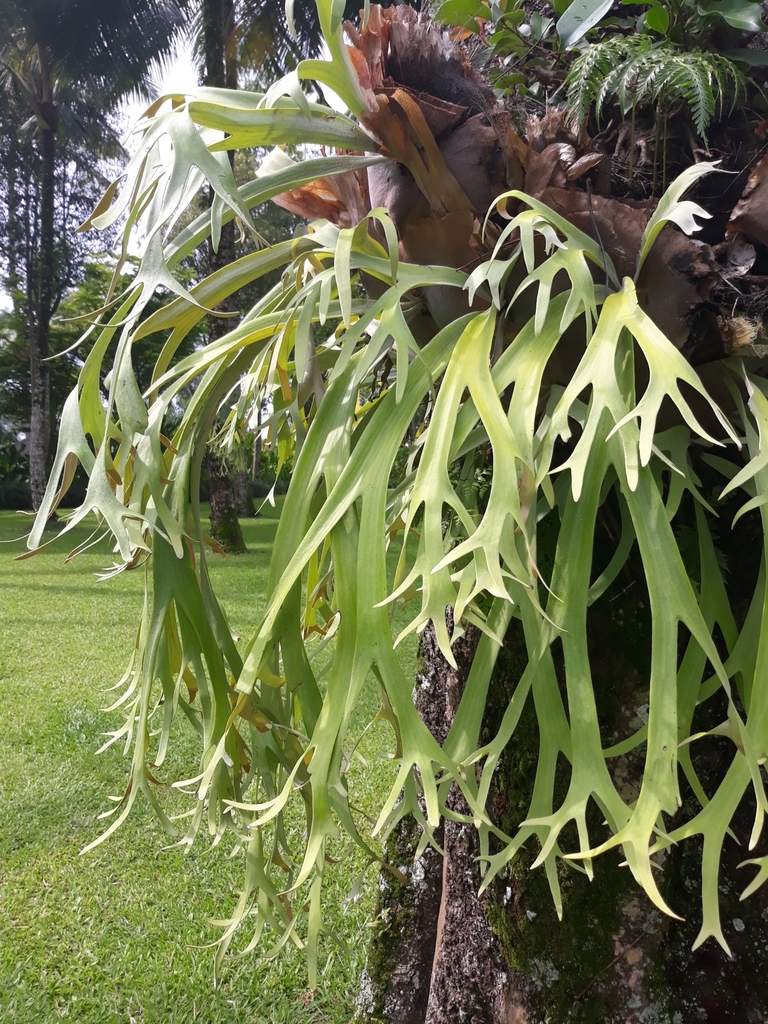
[216,42]
[86,148]
[49,46]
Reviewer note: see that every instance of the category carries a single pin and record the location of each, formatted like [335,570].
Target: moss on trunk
[614,959]
[566,969]
[396,979]
[225,526]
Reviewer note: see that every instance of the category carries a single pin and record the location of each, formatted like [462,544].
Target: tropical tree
[220,70]
[267,39]
[467,363]
[85,162]
[47,45]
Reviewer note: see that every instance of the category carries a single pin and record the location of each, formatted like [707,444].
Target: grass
[116,935]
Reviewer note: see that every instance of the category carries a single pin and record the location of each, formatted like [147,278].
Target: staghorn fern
[274,746]
[632,70]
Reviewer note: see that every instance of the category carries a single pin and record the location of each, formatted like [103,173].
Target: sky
[179,74]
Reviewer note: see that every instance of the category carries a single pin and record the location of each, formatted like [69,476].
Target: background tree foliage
[53,52]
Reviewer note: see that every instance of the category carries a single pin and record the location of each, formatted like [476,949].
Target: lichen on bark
[395,985]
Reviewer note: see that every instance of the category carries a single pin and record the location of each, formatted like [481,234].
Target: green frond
[692,80]
[630,70]
[587,74]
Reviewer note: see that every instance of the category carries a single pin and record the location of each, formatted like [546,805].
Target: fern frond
[632,69]
[719,74]
[649,68]
[692,81]
[738,80]
[620,79]
[588,72]
[631,77]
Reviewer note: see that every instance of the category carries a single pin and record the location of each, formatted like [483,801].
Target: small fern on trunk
[631,70]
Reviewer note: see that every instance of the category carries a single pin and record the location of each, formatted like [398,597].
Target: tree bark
[439,953]
[397,980]
[221,72]
[257,446]
[243,500]
[225,525]
[434,958]
[40,319]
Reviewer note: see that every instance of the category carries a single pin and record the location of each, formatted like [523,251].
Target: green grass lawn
[116,934]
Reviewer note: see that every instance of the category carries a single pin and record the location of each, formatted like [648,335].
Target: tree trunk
[433,955]
[439,953]
[221,72]
[243,500]
[13,221]
[225,526]
[40,320]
